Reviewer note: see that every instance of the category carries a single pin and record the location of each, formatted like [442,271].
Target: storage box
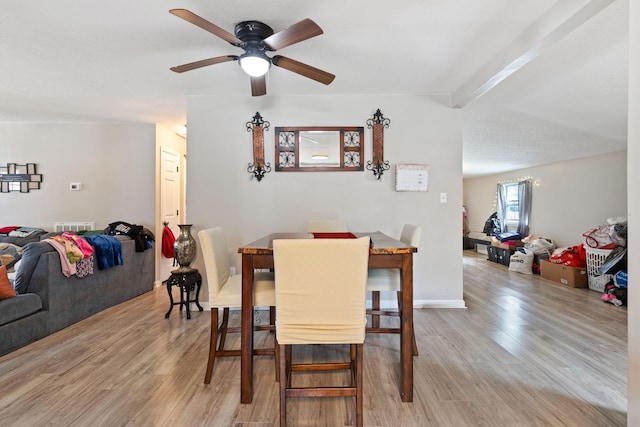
[481,249]
[499,255]
[509,244]
[479,241]
[576,277]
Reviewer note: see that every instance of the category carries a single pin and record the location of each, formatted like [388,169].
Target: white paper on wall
[412,177]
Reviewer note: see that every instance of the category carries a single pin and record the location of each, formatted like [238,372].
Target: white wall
[568,197]
[114,162]
[633,394]
[423,130]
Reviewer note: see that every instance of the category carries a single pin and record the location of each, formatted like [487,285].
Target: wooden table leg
[406,335]
[198,286]
[375,306]
[246,358]
[166,316]
[184,287]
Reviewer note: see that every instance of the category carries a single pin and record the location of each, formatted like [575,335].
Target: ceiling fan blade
[206,25]
[203,63]
[303,69]
[303,30]
[258,86]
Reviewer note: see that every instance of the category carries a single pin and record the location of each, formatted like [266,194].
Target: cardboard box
[576,277]
[510,244]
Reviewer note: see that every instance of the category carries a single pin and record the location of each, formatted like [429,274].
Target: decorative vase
[184,249]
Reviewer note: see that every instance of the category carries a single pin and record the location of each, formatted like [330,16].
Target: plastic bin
[595,258]
[499,255]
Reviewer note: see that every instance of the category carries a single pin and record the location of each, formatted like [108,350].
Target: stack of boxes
[501,252]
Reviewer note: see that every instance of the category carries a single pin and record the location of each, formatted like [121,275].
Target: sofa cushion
[21,306]
[30,257]
[6,290]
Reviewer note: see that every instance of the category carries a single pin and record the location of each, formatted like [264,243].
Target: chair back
[330,225]
[320,290]
[411,235]
[213,245]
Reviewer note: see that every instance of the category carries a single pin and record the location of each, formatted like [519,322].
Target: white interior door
[169,198]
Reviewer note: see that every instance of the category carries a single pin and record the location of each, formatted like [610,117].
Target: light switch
[75,186]
[443,197]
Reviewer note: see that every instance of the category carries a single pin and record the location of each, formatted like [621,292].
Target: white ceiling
[539,80]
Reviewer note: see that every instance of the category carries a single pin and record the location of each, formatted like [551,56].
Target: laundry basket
[595,258]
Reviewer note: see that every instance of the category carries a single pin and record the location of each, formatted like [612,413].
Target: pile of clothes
[142,236]
[76,254]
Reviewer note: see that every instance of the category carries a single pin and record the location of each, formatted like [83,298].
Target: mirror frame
[287,149]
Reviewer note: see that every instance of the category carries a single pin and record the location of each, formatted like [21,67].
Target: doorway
[171,205]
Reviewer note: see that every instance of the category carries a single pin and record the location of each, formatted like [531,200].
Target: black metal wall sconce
[258,168]
[378,122]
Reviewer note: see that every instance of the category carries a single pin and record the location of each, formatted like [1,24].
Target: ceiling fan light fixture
[255,64]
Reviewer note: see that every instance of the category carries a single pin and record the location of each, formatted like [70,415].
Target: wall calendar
[411,177]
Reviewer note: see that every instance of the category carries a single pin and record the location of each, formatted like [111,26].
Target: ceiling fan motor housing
[253,32]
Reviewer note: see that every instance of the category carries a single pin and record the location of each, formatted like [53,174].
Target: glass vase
[184,249]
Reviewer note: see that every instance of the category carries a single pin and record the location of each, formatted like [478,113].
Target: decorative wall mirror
[319,149]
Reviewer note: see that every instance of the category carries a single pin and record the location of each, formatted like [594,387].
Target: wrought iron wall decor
[319,149]
[258,168]
[378,122]
[22,178]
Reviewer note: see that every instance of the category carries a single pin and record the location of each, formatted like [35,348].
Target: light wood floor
[526,352]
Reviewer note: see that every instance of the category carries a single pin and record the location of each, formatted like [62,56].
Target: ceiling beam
[557,22]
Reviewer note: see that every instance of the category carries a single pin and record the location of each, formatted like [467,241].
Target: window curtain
[501,208]
[524,206]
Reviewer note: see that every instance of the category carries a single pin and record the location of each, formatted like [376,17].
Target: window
[514,206]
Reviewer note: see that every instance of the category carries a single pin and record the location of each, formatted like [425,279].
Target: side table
[187,281]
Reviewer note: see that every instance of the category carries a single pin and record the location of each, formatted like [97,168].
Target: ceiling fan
[256,38]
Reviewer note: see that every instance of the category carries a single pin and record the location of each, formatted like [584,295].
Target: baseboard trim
[437,303]
[388,304]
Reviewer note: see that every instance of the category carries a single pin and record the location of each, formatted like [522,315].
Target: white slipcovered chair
[327,273]
[329,225]
[388,280]
[225,291]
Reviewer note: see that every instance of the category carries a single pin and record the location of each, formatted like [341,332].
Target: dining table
[385,252]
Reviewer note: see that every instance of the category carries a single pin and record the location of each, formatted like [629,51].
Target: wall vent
[73,226]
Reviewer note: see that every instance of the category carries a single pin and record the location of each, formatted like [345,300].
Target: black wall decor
[257,126]
[22,178]
[378,165]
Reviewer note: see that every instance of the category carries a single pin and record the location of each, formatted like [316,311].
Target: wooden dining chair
[327,273]
[329,225]
[225,291]
[388,280]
